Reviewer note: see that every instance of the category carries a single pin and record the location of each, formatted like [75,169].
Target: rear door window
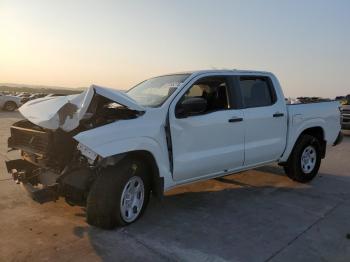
[256,91]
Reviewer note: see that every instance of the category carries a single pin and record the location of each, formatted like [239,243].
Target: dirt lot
[259,215]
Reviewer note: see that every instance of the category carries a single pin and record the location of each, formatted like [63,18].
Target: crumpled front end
[52,162]
[44,184]
[48,160]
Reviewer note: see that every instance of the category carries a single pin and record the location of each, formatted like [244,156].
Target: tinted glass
[256,91]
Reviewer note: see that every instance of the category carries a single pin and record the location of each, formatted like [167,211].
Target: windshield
[153,92]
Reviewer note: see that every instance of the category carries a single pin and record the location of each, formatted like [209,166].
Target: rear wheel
[119,196]
[305,159]
[10,106]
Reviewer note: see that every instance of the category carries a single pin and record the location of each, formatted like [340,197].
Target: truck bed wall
[303,116]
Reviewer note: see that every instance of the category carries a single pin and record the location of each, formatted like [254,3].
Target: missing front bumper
[28,175]
[44,185]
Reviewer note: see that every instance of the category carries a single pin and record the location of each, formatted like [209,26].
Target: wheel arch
[154,151]
[316,131]
[157,182]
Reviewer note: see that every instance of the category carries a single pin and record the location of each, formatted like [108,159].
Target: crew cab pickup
[110,150]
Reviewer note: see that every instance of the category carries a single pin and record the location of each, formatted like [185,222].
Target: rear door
[265,120]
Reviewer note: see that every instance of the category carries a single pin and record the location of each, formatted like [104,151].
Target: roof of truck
[220,71]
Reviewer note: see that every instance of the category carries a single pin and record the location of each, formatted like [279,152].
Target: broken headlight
[87,152]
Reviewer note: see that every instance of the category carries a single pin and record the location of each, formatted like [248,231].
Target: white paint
[8,98]
[208,146]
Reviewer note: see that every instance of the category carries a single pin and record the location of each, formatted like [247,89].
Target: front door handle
[235,119]
[278,114]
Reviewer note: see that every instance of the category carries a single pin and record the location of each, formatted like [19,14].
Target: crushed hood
[65,112]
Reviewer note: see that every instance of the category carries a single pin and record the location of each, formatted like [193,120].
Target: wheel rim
[308,159]
[132,199]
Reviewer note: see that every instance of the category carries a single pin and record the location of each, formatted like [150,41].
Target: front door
[212,141]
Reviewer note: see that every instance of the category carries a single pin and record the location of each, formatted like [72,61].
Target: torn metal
[66,112]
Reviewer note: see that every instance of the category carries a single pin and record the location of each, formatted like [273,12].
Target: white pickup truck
[110,150]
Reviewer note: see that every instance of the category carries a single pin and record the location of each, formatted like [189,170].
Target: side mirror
[191,106]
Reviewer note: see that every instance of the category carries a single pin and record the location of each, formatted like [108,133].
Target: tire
[105,202]
[300,166]
[10,106]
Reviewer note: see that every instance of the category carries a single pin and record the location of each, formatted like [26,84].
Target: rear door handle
[235,119]
[278,114]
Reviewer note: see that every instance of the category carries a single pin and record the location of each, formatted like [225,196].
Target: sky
[76,43]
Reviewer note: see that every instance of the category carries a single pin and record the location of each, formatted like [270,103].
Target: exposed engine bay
[52,163]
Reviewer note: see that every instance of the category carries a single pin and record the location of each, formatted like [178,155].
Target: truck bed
[303,116]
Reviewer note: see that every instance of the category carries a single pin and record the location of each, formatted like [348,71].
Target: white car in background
[9,103]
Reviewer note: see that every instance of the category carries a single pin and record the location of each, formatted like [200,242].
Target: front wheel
[305,159]
[119,195]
